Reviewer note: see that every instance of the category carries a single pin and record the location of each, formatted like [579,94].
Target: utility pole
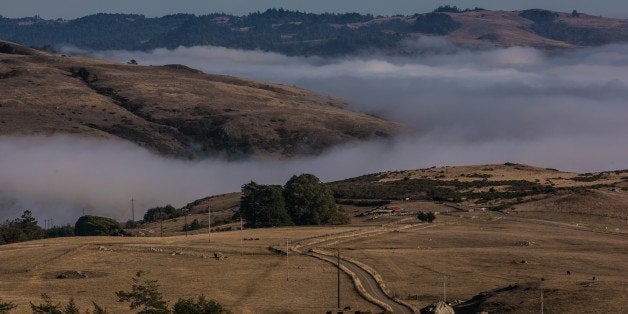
[209,223]
[161,223]
[185,215]
[133,215]
[287,262]
[132,210]
[444,288]
[338,278]
[241,236]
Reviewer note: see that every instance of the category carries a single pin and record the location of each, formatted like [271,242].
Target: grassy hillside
[488,186]
[171,109]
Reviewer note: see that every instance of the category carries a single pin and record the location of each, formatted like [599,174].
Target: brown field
[475,251]
[507,29]
[250,283]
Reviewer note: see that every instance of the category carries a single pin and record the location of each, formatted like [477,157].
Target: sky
[565,111]
[69,9]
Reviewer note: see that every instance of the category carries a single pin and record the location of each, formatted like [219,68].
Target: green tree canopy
[21,229]
[263,206]
[158,213]
[310,202]
[144,295]
[97,226]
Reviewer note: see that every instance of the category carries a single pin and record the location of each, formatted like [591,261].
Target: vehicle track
[369,284]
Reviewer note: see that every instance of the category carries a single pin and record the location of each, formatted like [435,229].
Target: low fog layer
[565,111]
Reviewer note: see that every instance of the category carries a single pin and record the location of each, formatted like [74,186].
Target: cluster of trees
[144,296]
[20,229]
[435,24]
[303,200]
[25,228]
[279,30]
[159,213]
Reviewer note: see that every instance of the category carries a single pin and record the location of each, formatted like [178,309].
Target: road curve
[368,282]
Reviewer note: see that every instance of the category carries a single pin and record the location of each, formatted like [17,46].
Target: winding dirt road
[369,283]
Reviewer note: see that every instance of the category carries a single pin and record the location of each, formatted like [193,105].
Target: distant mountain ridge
[298,33]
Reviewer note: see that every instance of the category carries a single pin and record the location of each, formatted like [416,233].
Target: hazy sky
[77,8]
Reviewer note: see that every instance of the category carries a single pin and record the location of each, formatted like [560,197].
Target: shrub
[426,217]
[195,225]
[201,306]
[6,306]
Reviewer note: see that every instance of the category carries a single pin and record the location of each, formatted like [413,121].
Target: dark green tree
[47,306]
[98,309]
[310,202]
[158,213]
[71,308]
[59,231]
[263,206]
[435,24]
[144,295]
[200,306]
[29,226]
[194,225]
[97,226]
[21,229]
[426,217]
[6,306]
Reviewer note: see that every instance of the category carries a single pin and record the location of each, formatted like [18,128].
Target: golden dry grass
[507,28]
[251,283]
[533,244]
[477,251]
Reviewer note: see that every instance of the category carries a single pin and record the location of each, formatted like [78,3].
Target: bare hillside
[171,109]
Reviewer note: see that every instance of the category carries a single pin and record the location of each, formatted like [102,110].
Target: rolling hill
[567,244]
[172,109]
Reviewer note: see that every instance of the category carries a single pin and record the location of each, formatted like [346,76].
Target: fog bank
[566,111]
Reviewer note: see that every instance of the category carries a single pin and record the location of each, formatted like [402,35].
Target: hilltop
[172,109]
[307,34]
[596,200]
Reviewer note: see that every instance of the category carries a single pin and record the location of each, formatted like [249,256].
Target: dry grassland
[250,283]
[479,252]
[523,250]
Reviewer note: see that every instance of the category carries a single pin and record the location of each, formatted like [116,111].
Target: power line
[338,278]
[241,236]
